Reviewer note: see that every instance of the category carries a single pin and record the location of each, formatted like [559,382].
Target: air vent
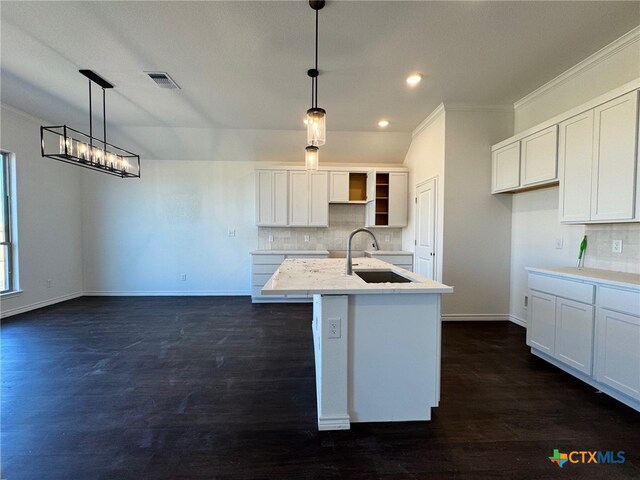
[163,80]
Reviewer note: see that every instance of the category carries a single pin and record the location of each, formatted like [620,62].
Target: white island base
[377,357]
[377,344]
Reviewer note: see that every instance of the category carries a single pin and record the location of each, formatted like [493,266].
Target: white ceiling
[242,65]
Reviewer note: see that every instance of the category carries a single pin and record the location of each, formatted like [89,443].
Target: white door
[505,170]
[425,253]
[574,334]
[298,198]
[539,154]
[541,329]
[318,199]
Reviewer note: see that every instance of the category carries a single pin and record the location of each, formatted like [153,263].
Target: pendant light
[316,117]
[311,157]
[72,146]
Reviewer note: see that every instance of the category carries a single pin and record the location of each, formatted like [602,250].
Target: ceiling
[242,65]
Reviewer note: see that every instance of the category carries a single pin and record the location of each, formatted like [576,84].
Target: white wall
[477,225]
[425,160]
[535,224]
[48,211]
[141,235]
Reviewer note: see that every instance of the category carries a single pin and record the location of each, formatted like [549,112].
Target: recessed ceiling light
[414,79]
[383,123]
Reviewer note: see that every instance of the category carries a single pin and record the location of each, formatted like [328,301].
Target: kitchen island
[376,337]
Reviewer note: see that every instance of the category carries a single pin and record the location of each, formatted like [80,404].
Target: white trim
[461,317]
[433,116]
[518,321]
[167,293]
[604,98]
[334,422]
[11,294]
[591,61]
[43,303]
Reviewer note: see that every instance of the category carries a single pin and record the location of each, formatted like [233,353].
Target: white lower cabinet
[399,259]
[602,350]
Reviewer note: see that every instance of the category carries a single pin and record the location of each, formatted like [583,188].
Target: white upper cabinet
[387,198]
[308,199]
[598,163]
[614,162]
[575,152]
[506,168]
[398,199]
[339,187]
[271,198]
[539,157]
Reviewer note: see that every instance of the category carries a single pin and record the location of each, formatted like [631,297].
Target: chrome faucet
[375,245]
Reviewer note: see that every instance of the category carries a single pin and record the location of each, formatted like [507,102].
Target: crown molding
[614,47]
[472,107]
[433,116]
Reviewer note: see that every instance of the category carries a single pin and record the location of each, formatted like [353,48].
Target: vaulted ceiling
[242,65]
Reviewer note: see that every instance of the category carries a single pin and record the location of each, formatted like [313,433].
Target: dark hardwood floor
[195,388]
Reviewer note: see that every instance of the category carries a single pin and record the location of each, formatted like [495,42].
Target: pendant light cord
[315,79]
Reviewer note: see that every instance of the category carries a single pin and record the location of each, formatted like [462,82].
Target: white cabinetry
[618,345]
[399,259]
[271,198]
[598,161]
[308,199]
[527,163]
[590,330]
[347,187]
[387,198]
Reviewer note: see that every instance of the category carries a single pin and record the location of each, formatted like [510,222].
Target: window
[6,247]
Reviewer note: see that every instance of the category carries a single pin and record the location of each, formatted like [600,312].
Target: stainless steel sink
[381,276]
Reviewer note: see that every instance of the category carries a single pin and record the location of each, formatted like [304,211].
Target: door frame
[436,238]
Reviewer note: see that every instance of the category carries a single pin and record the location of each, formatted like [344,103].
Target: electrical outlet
[49,283]
[306,238]
[526,301]
[559,243]
[334,327]
[271,238]
[232,233]
[616,246]
[183,277]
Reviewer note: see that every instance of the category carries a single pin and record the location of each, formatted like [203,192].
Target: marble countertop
[290,252]
[327,276]
[592,274]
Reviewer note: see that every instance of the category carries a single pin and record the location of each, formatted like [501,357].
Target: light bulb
[414,79]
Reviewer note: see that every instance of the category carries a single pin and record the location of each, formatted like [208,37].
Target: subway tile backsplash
[599,245]
[343,219]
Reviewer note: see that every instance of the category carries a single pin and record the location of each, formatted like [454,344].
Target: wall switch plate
[271,238]
[334,328]
[559,243]
[232,233]
[183,277]
[306,238]
[49,283]
[387,238]
[616,246]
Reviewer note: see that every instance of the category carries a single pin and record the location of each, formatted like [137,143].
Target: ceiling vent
[163,80]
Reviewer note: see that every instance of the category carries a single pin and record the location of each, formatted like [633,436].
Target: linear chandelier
[72,146]
[316,117]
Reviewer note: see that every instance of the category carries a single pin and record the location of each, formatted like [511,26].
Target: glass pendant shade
[316,126]
[311,157]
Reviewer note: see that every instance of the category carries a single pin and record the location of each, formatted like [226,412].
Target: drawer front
[274,259]
[406,267]
[580,292]
[264,269]
[395,259]
[259,279]
[306,255]
[624,301]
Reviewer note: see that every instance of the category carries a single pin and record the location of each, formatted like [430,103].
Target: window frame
[6,203]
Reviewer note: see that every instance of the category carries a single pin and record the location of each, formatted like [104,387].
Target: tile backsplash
[600,240]
[343,219]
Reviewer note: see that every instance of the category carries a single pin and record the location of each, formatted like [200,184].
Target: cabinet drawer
[394,259]
[619,300]
[306,255]
[269,269]
[581,292]
[259,279]
[274,259]
[406,267]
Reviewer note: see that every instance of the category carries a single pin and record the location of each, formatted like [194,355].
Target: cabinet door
[280,198]
[506,168]
[541,329]
[614,174]
[318,199]
[339,187]
[398,199]
[539,157]
[371,186]
[264,197]
[575,158]
[574,334]
[618,351]
[298,198]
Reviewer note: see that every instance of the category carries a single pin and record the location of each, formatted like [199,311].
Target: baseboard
[482,317]
[167,293]
[333,422]
[36,305]
[518,321]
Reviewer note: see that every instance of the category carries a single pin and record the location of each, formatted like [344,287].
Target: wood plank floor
[195,388]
